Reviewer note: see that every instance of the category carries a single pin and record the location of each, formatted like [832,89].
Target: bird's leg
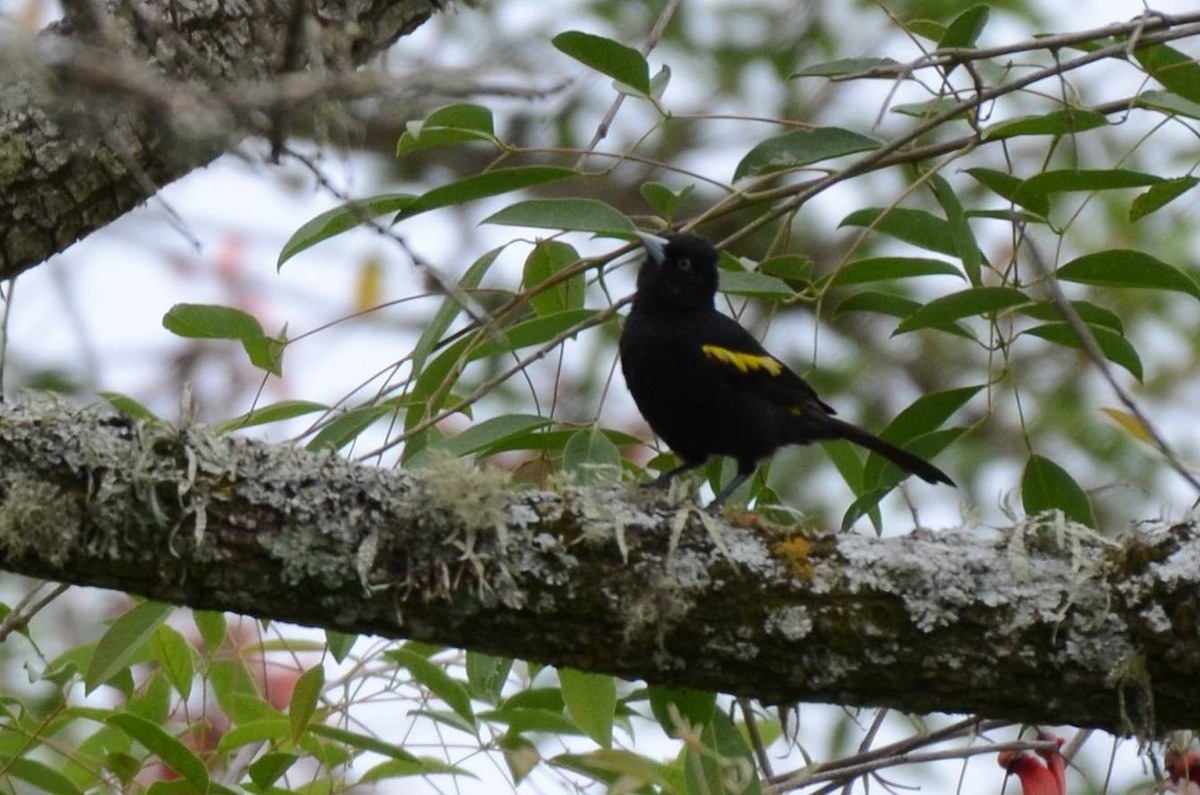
[665,478]
[745,470]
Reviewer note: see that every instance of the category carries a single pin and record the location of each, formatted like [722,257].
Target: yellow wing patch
[745,362]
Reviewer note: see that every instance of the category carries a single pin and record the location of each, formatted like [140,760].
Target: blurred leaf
[881,471]
[304,699]
[276,412]
[435,679]
[963,31]
[210,321]
[1059,122]
[480,186]
[449,310]
[424,766]
[606,56]
[1115,347]
[927,413]
[462,116]
[346,427]
[1069,180]
[1172,104]
[591,700]
[665,201]
[368,285]
[1008,187]
[965,244]
[128,634]
[1089,312]
[264,730]
[1126,268]
[724,763]
[695,706]
[453,124]
[879,303]
[802,148]
[171,751]
[340,644]
[362,742]
[487,674]
[876,269]
[267,769]
[1046,486]
[547,260]
[889,68]
[1160,195]
[610,765]
[788,266]
[1130,424]
[43,778]
[1177,72]
[942,312]
[918,227]
[580,215]
[340,219]
[592,458]
[130,407]
[753,284]
[211,626]
[489,432]
[175,656]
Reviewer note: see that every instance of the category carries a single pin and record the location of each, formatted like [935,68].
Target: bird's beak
[656,247]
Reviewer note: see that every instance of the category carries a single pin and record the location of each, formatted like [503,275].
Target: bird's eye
[684,264]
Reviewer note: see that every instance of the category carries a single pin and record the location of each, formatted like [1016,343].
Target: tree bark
[119,99]
[1044,623]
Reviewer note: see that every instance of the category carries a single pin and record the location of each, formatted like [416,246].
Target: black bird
[706,385]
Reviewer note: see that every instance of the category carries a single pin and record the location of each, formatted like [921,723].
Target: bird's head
[680,272]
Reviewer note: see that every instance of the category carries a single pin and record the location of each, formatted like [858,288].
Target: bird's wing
[743,361]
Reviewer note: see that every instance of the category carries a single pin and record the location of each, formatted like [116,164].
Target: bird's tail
[901,458]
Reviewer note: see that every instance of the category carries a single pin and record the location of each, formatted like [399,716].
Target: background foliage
[967,234]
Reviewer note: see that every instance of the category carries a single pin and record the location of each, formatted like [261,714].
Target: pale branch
[1043,623]
[121,98]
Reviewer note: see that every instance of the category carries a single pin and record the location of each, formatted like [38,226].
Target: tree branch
[116,101]
[1041,623]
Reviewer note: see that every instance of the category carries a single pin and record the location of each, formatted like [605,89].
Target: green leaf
[453,124]
[1008,187]
[340,644]
[942,312]
[918,227]
[621,63]
[400,768]
[963,31]
[964,239]
[1178,73]
[462,116]
[127,635]
[547,260]
[555,441]
[1160,195]
[266,353]
[304,699]
[592,458]
[130,407]
[210,321]
[489,432]
[664,200]
[263,730]
[696,707]
[211,626]
[1115,347]
[481,186]
[802,148]
[879,303]
[275,412]
[881,471]
[449,310]
[927,413]
[1089,312]
[1126,268]
[725,764]
[175,656]
[41,777]
[885,68]
[529,719]
[171,751]
[340,219]
[1070,180]
[347,426]
[266,770]
[591,700]
[487,674]
[580,215]
[1059,122]
[875,269]
[1046,486]
[788,266]
[753,284]
[612,765]
[437,681]
[1172,104]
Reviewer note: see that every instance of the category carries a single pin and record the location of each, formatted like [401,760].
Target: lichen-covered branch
[98,114]
[1044,623]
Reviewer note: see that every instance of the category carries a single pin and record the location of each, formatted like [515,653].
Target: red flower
[1183,772]
[1045,776]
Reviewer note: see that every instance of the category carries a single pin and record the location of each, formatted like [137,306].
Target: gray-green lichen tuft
[38,516]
